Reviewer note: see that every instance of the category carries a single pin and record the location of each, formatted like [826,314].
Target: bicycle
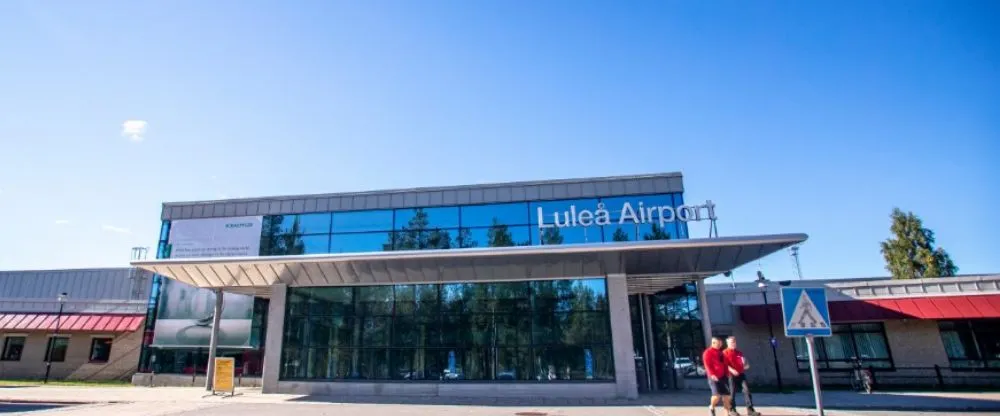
[862,377]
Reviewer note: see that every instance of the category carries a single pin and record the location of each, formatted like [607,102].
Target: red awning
[935,307]
[70,322]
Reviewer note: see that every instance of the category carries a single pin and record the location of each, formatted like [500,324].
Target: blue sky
[815,117]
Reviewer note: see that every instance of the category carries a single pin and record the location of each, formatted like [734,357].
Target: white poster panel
[215,237]
[184,315]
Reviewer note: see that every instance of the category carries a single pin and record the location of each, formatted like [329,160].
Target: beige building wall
[120,366]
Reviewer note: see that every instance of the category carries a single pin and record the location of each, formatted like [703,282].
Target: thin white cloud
[61,222]
[135,130]
[114,229]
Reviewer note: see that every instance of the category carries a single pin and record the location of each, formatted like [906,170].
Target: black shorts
[719,388]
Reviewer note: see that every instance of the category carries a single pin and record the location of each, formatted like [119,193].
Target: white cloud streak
[61,222]
[114,229]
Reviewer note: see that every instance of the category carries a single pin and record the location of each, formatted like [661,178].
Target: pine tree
[619,235]
[657,233]
[551,236]
[910,252]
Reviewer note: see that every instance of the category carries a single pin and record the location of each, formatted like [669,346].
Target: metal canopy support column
[272,342]
[706,323]
[652,368]
[213,345]
[621,337]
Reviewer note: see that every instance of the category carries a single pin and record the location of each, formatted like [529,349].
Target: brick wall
[120,366]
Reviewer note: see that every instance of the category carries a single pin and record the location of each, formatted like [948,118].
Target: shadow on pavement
[27,407]
[831,400]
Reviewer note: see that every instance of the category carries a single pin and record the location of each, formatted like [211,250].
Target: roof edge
[491,251]
[429,189]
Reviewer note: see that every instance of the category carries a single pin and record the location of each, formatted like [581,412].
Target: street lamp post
[762,284]
[48,353]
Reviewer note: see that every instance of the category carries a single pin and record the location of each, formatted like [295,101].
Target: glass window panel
[513,330]
[570,295]
[639,232]
[375,331]
[477,364]
[372,364]
[455,330]
[361,242]
[459,297]
[573,328]
[487,215]
[426,239]
[12,348]
[574,363]
[359,221]
[513,364]
[56,351]
[314,244]
[317,363]
[164,230]
[100,350]
[550,208]
[298,301]
[329,331]
[648,203]
[871,345]
[512,297]
[426,218]
[294,244]
[293,363]
[416,331]
[330,301]
[567,235]
[318,223]
[374,300]
[481,329]
[338,364]
[295,331]
[417,364]
[500,236]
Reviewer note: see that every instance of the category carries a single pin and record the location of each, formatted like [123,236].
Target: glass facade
[540,331]
[520,331]
[466,226]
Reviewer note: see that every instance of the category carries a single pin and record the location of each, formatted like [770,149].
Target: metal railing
[933,377]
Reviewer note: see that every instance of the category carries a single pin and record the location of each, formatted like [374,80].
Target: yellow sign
[224,374]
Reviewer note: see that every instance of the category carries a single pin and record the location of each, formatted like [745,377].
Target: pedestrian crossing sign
[805,312]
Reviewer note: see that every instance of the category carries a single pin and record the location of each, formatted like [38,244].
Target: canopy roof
[650,265]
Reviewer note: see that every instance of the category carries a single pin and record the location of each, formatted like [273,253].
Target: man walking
[718,379]
[737,366]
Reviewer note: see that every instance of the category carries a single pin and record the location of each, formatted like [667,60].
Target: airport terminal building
[579,287]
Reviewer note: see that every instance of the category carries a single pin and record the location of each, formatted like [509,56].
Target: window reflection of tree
[275,242]
[487,328]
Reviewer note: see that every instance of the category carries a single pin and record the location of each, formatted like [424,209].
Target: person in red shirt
[737,367]
[718,377]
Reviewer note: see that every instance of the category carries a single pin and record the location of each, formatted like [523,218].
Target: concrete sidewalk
[841,400]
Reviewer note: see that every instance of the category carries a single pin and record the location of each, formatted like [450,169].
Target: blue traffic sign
[805,312]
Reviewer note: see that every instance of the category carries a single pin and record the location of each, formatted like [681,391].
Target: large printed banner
[184,316]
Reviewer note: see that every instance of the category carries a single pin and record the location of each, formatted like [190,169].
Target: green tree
[499,235]
[657,233]
[551,236]
[419,235]
[619,235]
[910,253]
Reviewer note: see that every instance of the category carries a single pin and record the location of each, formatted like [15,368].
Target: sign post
[225,369]
[807,315]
